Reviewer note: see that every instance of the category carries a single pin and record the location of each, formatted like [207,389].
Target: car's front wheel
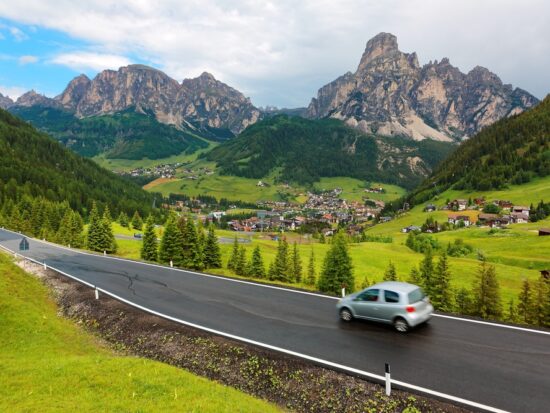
[346,315]
[401,325]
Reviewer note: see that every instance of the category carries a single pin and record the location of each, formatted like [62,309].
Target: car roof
[397,286]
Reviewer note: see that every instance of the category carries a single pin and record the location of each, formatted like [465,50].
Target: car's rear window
[416,295]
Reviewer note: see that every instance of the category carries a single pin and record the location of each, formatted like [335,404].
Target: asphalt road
[499,367]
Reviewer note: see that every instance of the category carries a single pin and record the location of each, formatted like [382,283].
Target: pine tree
[512,315]
[171,244]
[322,238]
[231,264]
[63,235]
[463,302]
[212,254]
[192,254]
[256,267]
[240,262]
[426,271]
[123,219]
[76,230]
[391,273]
[296,264]
[487,302]
[108,237]
[441,285]
[311,276]
[525,304]
[337,268]
[149,247]
[95,238]
[540,296]
[415,277]
[280,269]
[137,222]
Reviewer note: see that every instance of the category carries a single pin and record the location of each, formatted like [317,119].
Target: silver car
[402,304]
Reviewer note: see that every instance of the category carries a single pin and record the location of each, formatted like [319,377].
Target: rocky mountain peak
[390,94]
[74,92]
[5,101]
[379,45]
[32,98]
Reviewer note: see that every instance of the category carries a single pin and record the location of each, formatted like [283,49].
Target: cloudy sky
[277,52]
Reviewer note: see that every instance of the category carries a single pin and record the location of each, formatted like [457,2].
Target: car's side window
[391,296]
[369,295]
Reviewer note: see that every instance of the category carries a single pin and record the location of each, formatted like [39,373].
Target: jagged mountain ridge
[202,102]
[391,94]
[5,101]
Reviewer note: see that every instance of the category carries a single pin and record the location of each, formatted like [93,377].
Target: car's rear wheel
[401,325]
[346,315]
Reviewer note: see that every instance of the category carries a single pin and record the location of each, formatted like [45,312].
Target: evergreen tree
[123,219]
[231,264]
[525,304]
[212,254]
[63,235]
[192,254]
[441,285]
[415,277]
[240,262]
[337,268]
[540,297]
[391,273]
[463,302]
[137,222]
[149,247]
[487,302]
[280,270]
[94,238]
[171,244]
[426,271]
[296,264]
[107,235]
[15,220]
[512,316]
[322,238]
[256,267]
[311,276]
[76,230]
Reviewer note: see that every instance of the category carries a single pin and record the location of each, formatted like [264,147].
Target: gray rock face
[204,101]
[5,101]
[390,94]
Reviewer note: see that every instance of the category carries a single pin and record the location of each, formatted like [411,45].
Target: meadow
[49,364]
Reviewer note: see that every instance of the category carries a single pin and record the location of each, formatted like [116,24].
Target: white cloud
[88,60]
[26,59]
[12,91]
[283,51]
[17,34]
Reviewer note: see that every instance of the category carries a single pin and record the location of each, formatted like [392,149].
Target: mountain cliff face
[203,102]
[5,101]
[390,94]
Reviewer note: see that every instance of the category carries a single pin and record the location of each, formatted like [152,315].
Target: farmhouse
[493,220]
[521,209]
[458,204]
[519,218]
[410,228]
[544,231]
[455,219]
[430,208]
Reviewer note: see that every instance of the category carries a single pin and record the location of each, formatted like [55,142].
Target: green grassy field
[354,189]
[125,165]
[49,365]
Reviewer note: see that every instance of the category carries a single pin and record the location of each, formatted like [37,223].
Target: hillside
[33,164]
[122,135]
[50,365]
[306,150]
[511,151]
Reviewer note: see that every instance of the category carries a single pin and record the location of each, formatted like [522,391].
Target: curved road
[500,367]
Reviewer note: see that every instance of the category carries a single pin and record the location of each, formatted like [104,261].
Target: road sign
[24,245]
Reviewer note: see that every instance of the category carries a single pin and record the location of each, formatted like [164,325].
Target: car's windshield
[416,295]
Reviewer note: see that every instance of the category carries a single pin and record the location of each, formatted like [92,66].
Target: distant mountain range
[140,112]
[199,103]
[391,94]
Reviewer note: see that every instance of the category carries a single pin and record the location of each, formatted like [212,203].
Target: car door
[389,305]
[366,304]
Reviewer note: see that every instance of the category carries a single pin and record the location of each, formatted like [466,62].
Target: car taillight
[410,309]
